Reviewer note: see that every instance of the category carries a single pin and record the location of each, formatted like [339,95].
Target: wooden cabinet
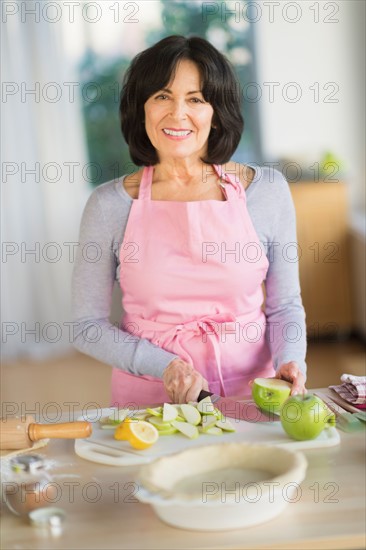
[322,232]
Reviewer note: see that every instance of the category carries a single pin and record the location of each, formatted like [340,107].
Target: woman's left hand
[291,373]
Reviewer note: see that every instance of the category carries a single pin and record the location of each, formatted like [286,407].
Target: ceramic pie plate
[224,486]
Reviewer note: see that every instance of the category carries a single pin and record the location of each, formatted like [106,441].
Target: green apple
[170,412]
[225,425]
[168,431]
[269,394]
[118,416]
[206,406]
[305,416]
[185,428]
[218,414]
[208,421]
[159,423]
[109,426]
[191,424]
[157,411]
[191,414]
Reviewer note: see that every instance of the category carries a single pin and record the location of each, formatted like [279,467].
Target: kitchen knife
[346,421]
[246,410]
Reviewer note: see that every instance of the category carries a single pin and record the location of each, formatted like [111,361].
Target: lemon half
[139,433]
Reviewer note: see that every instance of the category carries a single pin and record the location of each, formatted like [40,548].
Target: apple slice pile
[191,419]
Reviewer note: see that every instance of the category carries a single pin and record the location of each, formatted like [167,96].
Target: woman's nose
[179,109]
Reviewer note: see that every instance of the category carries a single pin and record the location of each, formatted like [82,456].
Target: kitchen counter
[102,511]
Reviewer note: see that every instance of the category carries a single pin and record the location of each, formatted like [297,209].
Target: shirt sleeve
[286,328]
[92,286]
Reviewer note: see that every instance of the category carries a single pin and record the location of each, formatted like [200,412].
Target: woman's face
[177,118]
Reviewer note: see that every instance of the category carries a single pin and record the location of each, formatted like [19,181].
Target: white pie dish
[224,486]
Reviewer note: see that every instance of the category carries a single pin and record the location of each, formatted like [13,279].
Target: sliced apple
[119,415]
[218,414]
[225,425]
[109,426]
[157,411]
[186,429]
[170,412]
[206,406]
[159,423]
[191,414]
[140,416]
[208,421]
[168,431]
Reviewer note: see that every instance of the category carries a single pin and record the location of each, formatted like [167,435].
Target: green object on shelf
[331,166]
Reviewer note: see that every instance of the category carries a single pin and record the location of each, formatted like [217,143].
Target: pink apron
[191,275]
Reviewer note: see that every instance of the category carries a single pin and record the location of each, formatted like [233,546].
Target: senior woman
[190,237]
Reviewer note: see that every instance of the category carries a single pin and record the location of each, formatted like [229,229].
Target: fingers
[199,383]
[298,386]
[291,373]
[182,382]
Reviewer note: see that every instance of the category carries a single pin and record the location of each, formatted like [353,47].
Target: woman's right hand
[182,382]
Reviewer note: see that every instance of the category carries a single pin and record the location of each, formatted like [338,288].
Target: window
[109,49]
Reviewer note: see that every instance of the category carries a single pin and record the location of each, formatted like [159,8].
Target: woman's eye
[192,99]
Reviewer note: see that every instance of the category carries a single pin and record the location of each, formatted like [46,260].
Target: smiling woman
[189,260]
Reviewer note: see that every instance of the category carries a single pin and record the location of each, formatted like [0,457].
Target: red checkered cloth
[352,390]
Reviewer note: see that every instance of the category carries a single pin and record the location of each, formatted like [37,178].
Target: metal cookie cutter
[27,463]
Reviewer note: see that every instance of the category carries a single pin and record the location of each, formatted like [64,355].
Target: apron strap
[232,191]
[145,183]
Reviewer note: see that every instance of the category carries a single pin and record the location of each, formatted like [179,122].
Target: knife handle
[203,394]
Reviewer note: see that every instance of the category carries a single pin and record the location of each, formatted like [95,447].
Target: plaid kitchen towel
[353,389]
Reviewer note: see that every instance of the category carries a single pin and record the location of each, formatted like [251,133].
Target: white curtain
[41,132]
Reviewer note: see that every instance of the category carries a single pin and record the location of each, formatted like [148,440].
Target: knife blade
[346,421]
[246,410]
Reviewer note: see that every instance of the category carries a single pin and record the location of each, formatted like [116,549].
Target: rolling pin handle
[68,430]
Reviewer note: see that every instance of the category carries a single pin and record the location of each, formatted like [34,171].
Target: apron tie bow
[209,327]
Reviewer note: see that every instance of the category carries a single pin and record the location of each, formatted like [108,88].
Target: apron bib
[191,276]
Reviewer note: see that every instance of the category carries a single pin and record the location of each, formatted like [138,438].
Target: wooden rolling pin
[20,433]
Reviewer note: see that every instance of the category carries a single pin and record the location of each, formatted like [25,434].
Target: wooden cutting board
[101,447]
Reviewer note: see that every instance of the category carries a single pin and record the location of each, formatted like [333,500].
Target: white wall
[306,52]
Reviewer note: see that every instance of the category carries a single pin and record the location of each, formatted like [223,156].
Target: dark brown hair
[152,69]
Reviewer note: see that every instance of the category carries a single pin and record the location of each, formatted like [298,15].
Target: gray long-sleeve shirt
[97,266]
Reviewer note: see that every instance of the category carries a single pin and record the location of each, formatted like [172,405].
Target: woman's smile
[177,134]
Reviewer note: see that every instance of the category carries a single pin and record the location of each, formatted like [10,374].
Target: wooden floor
[77,381]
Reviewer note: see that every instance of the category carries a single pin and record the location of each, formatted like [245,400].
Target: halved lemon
[140,434]
[122,431]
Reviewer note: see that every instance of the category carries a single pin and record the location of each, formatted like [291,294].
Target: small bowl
[225,486]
